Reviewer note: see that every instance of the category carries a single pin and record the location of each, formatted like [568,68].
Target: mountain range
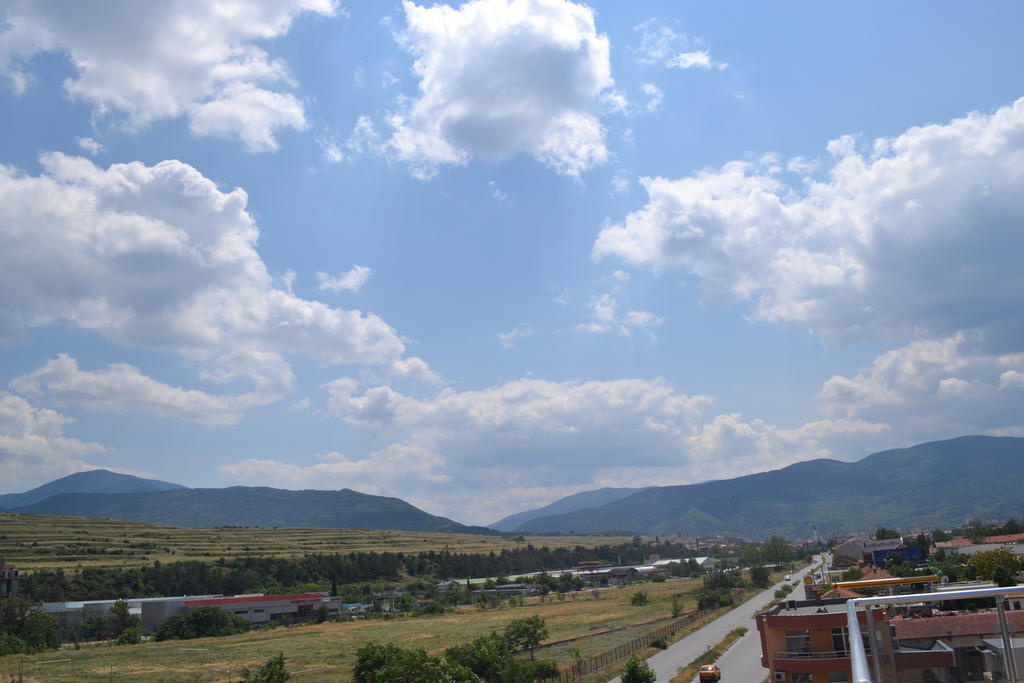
[584,500]
[99,493]
[934,485]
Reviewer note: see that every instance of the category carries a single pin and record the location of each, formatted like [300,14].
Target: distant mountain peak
[88,481]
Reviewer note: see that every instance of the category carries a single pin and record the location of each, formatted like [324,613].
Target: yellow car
[710,672]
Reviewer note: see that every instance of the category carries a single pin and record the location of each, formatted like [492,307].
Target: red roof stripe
[255,598]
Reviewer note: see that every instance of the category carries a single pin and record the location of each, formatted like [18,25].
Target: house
[809,640]
[965,634]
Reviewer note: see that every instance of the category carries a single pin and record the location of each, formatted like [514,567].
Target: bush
[639,599]
[130,636]
[201,623]
[659,643]
[12,645]
[637,671]
[272,671]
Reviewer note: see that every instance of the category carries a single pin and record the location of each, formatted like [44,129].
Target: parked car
[710,672]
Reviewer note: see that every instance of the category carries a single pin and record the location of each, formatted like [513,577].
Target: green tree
[26,627]
[272,671]
[386,663]
[175,627]
[526,634]
[119,619]
[881,533]
[1000,564]
[776,550]
[851,574]
[760,577]
[750,556]
[637,671]
[130,636]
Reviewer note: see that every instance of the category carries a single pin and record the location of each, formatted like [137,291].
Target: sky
[482,255]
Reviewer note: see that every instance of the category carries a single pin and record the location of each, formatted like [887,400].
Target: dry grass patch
[44,541]
[332,646]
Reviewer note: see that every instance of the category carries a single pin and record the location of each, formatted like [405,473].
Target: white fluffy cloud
[33,446]
[122,388]
[351,280]
[158,257]
[502,77]
[660,44]
[477,455]
[139,62]
[607,318]
[919,235]
[935,389]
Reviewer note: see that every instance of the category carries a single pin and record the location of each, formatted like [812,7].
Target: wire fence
[586,666]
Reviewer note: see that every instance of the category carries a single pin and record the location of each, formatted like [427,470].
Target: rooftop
[801,608]
[946,626]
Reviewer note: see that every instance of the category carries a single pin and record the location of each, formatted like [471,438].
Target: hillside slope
[93,481]
[252,506]
[583,500]
[936,484]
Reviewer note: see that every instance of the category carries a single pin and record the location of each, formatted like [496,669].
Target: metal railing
[812,654]
[859,659]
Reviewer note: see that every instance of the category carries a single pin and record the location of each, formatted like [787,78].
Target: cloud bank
[141,62]
[158,257]
[913,235]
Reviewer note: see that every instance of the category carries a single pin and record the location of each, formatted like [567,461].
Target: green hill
[937,484]
[583,500]
[93,481]
[251,506]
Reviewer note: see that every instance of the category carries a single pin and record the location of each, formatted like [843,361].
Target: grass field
[329,648]
[39,541]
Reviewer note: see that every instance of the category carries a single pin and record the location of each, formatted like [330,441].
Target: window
[798,640]
[841,640]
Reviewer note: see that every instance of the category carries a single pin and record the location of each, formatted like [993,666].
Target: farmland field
[331,646]
[41,541]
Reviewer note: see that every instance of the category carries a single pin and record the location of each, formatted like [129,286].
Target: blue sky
[483,255]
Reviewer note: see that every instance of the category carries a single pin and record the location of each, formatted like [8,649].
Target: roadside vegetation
[687,673]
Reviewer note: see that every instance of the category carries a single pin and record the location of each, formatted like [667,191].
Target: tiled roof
[1005,538]
[955,625]
[873,572]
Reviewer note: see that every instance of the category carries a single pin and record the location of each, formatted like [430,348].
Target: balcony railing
[812,654]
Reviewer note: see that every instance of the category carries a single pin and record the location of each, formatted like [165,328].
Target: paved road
[667,662]
[742,663]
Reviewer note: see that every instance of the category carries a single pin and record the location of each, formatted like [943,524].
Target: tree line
[229,576]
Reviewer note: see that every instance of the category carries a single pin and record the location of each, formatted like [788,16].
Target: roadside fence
[589,665]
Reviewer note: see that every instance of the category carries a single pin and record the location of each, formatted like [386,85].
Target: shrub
[637,671]
[130,636]
[272,671]
[639,599]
